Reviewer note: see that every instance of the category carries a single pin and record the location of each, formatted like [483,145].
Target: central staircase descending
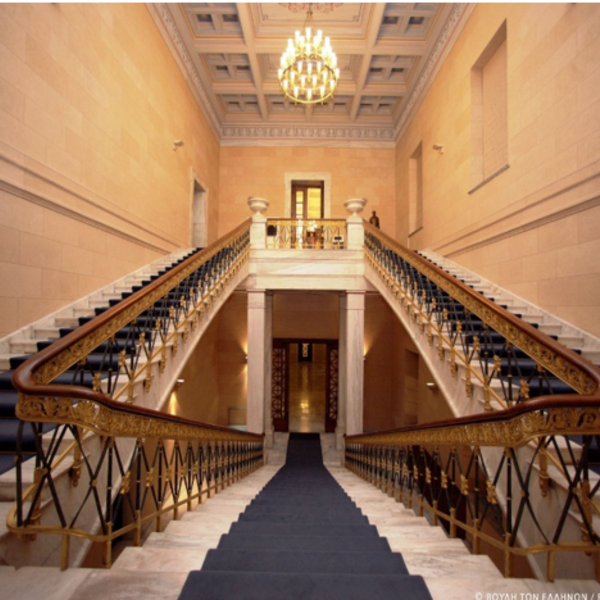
[158,570]
[302,537]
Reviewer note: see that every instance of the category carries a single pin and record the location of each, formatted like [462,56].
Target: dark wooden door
[332,387]
[279,386]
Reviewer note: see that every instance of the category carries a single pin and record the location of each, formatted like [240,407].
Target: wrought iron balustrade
[143,461]
[450,470]
[326,234]
[525,463]
[507,357]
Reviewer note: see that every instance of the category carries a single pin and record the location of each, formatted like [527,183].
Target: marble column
[340,429]
[352,336]
[268,351]
[259,342]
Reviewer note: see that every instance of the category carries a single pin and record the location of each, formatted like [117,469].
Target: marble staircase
[159,568]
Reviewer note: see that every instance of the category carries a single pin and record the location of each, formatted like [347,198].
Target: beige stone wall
[355,172]
[216,373]
[90,104]
[233,367]
[379,404]
[306,316]
[198,398]
[534,228]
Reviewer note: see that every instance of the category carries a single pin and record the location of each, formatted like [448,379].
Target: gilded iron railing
[506,357]
[141,461]
[326,234]
[501,463]
[452,471]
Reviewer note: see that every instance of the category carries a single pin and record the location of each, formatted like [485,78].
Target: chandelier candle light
[309,73]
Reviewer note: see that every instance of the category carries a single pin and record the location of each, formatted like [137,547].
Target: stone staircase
[159,568]
[582,342]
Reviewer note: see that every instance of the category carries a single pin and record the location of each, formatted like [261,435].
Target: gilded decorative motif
[444,480]
[558,365]
[491,492]
[110,422]
[511,433]
[123,317]
[464,486]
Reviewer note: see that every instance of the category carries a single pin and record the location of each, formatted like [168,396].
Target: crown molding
[444,44]
[161,13]
[309,135]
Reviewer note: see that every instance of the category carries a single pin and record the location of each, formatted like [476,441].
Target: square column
[259,360]
[268,420]
[351,386]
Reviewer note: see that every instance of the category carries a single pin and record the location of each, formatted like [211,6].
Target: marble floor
[307,389]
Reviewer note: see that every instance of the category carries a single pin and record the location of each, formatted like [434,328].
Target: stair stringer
[46,550]
[454,392]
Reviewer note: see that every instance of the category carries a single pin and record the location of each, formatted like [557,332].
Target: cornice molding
[307,133]
[162,13]
[434,62]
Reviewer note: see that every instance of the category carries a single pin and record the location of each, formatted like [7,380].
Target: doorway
[304,391]
[307,199]
[308,372]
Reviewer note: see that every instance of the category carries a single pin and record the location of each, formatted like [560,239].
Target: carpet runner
[303,538]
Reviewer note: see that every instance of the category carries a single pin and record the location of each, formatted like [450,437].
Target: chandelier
[309,73]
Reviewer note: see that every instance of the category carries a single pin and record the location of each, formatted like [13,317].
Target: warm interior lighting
[307,65]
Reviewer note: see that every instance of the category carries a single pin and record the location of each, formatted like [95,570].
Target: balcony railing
[325,234]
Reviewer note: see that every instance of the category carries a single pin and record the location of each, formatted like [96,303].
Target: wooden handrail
[480,304]
[29,383]
[542,404]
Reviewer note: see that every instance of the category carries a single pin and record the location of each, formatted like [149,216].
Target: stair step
[230,585]
[68,321]
[27,583]
[304,562]
[304,543]
[46,333]
[24,347]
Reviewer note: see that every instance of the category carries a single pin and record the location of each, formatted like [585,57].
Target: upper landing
[296,254]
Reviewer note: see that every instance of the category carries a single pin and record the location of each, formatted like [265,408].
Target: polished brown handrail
[32,377]
[461,424]
[533,342]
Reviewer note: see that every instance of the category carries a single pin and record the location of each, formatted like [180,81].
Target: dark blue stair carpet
[233,585]
[257,528]
[302,538]
[293,518]
[375,563]
[304,543]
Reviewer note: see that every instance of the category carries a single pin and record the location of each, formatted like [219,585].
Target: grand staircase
[165,567]
[19,347]
[302,537]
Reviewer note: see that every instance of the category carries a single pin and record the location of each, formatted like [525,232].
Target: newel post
[258,229]
[355,232]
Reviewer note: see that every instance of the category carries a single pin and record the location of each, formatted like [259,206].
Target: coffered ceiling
[388,54]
